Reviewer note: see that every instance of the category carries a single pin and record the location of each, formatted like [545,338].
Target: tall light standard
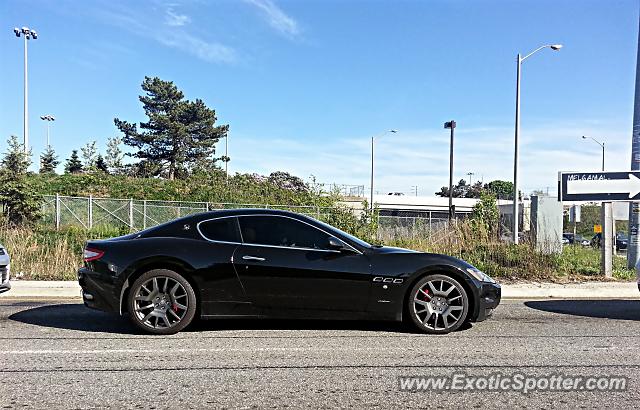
[470,174]
[519,61]
[48,118]
[584,137]
[28,34]
[372,160]
[452,126]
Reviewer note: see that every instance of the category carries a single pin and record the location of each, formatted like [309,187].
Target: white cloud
[176,20]
[208,51]
[276,17]
[175,33]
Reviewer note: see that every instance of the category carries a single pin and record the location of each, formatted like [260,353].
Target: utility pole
[452,126]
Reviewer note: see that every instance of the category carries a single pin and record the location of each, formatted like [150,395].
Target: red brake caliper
[175,307]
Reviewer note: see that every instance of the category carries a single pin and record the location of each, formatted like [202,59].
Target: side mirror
[337,244]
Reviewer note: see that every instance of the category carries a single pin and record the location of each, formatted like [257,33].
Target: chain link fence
[89,212]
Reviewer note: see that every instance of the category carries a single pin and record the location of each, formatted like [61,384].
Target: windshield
[346,235]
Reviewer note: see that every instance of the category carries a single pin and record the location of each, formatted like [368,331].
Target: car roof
[246,211]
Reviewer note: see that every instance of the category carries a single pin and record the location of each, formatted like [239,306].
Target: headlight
[480,275]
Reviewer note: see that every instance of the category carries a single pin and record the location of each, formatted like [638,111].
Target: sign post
[605,187]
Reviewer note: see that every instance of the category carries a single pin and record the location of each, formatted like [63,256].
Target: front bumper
[5,278]
[488,299]
[99,291]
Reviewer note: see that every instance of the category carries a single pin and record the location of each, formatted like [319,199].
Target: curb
[25,289]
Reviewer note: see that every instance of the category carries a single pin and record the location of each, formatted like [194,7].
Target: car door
[221,290]
[284,263]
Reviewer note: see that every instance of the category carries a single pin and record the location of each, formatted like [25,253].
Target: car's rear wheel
[162,302]
[438,304]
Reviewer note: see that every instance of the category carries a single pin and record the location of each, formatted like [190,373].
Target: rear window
[223,229]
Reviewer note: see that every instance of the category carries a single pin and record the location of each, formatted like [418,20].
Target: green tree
[20,203]
[89,155]
[501,189]
[114,155]
[462,190]
[48,161]
[73,165]
[485,213]
[179,133]
[101,165]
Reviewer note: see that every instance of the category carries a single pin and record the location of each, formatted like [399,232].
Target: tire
[161,302]
[434,301]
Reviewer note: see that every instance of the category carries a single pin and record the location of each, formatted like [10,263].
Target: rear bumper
[99,291]
[488,299]
[5,279]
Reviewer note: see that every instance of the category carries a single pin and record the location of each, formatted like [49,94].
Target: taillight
[92,254]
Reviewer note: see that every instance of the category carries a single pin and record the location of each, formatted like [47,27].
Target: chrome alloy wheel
[161,302]
[438,304]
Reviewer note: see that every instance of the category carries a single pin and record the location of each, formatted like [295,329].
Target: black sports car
[267,263]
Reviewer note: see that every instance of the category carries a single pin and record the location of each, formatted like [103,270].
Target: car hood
[420,258]
[391,249]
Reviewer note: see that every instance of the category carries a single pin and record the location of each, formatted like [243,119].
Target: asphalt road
[62,355]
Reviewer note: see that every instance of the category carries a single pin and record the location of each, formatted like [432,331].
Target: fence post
[90,212]
[144,214]
[57,212]
[131,214]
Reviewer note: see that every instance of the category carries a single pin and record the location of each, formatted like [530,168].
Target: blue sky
[304,84]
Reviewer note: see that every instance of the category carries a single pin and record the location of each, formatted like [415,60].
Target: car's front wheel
[162,302]
[438,304]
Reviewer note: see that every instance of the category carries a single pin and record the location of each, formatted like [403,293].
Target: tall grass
[43,254]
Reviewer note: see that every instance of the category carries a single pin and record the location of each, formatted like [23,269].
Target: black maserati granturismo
[268,263]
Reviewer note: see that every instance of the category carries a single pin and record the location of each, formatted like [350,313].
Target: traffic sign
[599,186]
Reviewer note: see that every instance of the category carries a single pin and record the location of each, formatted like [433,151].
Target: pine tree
[101,165]
[89,152]
[179,134]
[73,165]
[48,161]
[18,198]
[15,160]
[114,155]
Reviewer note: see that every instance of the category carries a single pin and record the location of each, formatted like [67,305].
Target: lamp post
[470,174]
[519,61]
[452,126]
[373,158]
[28,34]
[48,118]
[584,137]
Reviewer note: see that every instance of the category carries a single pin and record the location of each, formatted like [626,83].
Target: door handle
[252,258]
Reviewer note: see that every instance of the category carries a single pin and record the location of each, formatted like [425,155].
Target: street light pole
[601,144]
[28,34]
[372,161]
[452,126]
[48,118]
[519,60]
[470,174]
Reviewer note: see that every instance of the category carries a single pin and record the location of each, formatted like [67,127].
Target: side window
[223,229]
[278,231]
